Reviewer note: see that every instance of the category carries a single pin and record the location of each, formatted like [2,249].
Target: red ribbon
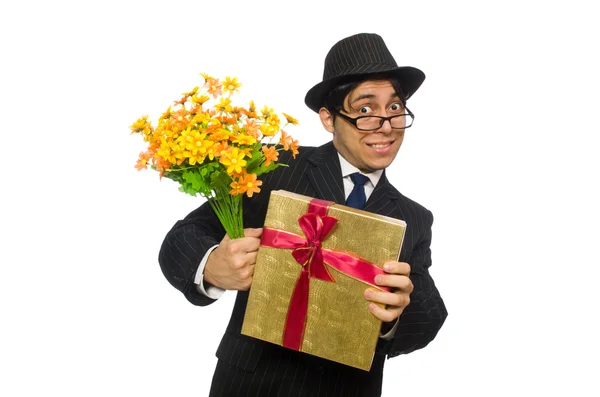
[308,252]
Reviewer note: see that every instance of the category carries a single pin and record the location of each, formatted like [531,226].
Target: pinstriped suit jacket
[250,367]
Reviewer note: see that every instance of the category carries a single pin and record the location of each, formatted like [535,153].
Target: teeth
[379,146]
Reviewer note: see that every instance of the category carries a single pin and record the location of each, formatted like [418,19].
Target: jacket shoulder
[412,206]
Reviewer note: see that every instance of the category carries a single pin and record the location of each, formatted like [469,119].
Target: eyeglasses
[372,123]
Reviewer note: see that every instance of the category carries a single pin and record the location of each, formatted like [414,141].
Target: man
[362,103]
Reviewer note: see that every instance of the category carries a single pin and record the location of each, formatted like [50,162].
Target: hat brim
[410,80]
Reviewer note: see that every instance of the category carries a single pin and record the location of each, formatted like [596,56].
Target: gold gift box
[339,326]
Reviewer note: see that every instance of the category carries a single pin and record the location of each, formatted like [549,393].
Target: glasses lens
[402,121]
[374,123]
[368,123]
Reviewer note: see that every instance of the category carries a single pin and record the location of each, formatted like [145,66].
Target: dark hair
[335,99]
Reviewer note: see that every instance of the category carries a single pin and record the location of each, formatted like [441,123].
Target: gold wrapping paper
[339,326]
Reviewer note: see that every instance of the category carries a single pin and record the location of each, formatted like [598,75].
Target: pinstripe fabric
[249,367]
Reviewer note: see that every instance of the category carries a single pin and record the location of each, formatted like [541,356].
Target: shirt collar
[348,169]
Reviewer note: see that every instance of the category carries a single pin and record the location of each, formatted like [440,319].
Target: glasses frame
[354,121]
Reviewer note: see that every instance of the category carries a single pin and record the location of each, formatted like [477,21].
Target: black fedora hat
[356,57]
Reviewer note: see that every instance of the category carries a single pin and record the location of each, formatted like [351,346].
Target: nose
[386,127]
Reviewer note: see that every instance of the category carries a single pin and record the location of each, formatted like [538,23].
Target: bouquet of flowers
[215,149]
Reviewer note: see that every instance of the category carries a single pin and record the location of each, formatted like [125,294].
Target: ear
[326,119]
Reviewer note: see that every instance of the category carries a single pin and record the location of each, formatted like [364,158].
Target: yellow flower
[247,151]
[196,143]
[224,105]
[201,118]
[290,119]
[200,99]
[244,140]
[194,91]
[268,129]
[273,119]
[231,85]
[233,160]
[266,112]
[140,124]
[166,115]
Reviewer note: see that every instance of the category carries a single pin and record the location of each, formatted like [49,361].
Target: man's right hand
[230,266]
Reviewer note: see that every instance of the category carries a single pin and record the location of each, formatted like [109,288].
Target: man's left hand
[396,278]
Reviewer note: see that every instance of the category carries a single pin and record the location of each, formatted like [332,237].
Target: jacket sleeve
[424,316]
[184,247]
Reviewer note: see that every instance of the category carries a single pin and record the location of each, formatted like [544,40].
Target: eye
[364,109]
[396,107]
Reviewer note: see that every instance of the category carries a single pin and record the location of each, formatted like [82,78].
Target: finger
[385,315]
[388,298]
[397,268]
[402,283]
[243,245]
[250,232]
[245,273]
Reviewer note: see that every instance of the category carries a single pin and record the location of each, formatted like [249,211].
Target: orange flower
[252,128]
[236,189]
[285,140]
[181,101]
[294,146]
[251,185]
[141,164]
[221,148]
[270,154]
[220,134]
[251,111]
[215,88]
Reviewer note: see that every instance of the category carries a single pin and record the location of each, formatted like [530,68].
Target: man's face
[367,150]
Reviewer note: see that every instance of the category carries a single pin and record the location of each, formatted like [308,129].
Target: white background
[503,151]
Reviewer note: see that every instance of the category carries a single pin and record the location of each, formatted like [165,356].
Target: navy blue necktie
[357,197]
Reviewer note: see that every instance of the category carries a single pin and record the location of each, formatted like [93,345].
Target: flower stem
[228,209]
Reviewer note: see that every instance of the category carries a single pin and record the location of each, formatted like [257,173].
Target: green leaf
[264,169]
[220,180]
[257,158]
[193,183]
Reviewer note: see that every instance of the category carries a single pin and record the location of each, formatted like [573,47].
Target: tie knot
[358,179]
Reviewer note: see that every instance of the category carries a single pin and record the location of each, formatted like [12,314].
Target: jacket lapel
[326,174]
[383,199]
